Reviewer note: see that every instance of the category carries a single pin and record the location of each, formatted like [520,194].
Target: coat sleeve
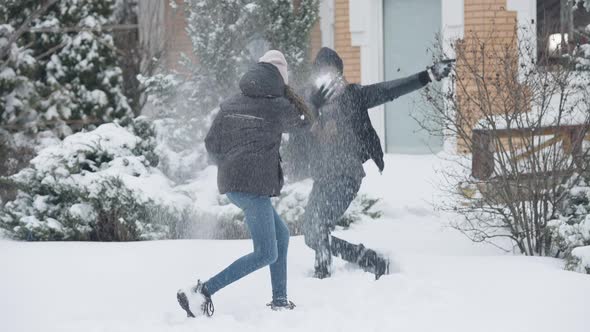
[213,139]
[380,93]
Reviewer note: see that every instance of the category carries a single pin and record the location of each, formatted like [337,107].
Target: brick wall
[351,55]
[177,39]
[489,25]
[315,40]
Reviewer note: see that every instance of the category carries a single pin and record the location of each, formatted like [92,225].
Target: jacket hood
[262,80]
[327,57]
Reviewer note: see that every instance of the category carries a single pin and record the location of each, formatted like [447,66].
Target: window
[560,28]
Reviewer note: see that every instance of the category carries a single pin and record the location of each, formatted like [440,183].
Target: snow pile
[99,185]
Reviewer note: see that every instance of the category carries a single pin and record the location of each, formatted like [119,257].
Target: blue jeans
[270,236]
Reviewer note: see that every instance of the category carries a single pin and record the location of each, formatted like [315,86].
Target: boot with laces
[196,301]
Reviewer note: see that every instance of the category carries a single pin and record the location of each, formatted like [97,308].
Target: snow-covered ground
[442,282]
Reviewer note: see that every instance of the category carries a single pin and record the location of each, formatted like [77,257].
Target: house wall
[177,39]
[151,30]
[351,55]
[489,23]
[315,40]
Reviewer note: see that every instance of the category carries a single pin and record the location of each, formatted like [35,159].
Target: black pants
[327,203]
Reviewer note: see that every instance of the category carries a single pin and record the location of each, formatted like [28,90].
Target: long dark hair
[299,103]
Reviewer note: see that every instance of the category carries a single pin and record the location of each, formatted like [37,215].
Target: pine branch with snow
[287,28]
[76,74]
[99,185]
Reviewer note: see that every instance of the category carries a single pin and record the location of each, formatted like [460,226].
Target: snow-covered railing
[485,144]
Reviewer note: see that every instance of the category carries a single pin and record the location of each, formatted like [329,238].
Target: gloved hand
[323,94]
[441,69]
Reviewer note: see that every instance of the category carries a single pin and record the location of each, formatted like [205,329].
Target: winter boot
[372,262]
[367,259]
[195,300]
[281,304]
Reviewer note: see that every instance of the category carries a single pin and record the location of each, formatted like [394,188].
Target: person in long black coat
[342,140]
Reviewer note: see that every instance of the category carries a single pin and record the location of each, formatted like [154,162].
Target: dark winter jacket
[355,140]
[245,136]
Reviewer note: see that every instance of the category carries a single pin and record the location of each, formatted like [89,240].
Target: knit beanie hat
[327,57]
[277,59]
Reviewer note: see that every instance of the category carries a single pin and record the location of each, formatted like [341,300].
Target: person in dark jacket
[244,141]
[342,140]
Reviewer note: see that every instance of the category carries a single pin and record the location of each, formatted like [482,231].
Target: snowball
[324,79]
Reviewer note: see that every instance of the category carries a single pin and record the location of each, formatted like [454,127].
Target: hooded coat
[355,140]
[245,136]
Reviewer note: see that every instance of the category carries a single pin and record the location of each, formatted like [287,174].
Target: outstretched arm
[380,93]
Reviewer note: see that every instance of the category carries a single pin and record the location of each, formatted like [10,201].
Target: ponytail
[299,103]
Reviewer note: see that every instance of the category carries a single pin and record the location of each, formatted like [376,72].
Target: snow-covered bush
[84,77]
[181,129]
[100,185]
[583,59]
[218,27]
[215,217]
[59,72]
[287,29]
[242,31]
[517,136]
[18,92]
[570,230]
[579,260]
